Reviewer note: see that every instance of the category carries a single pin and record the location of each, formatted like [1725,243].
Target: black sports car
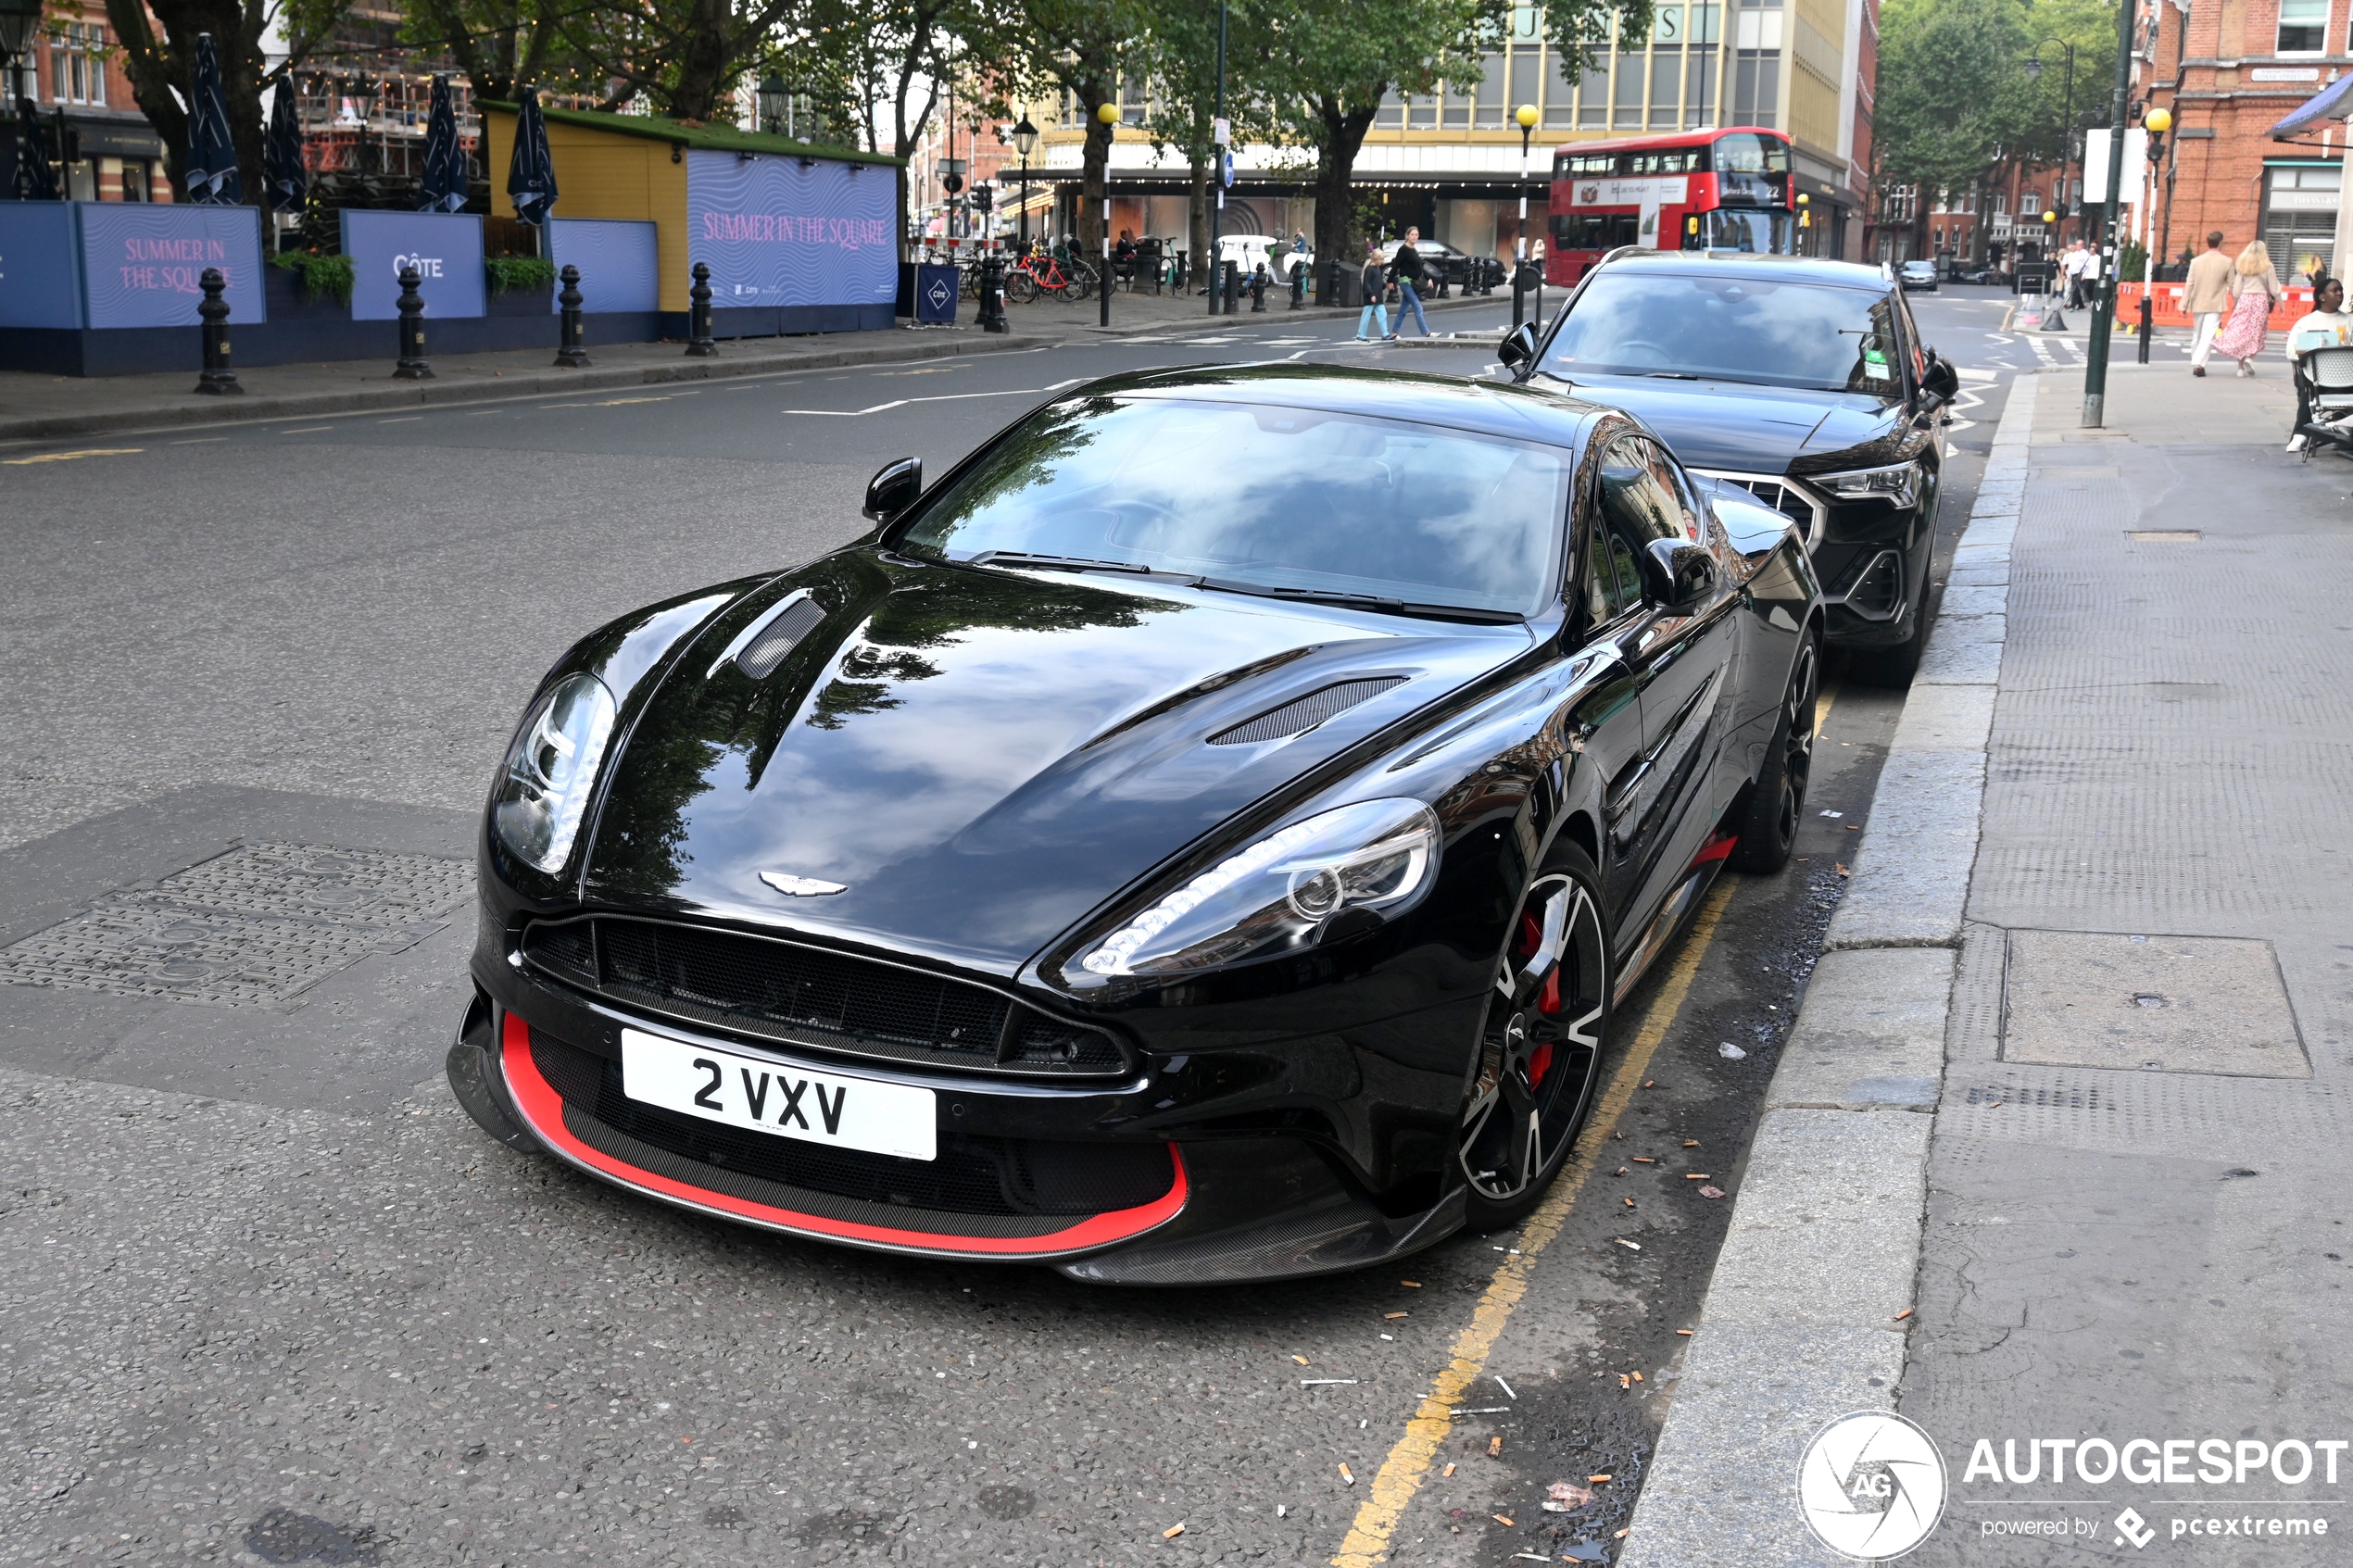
[1806,381]
[1201,837]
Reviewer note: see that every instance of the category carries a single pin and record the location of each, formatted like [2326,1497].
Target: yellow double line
[1402,1473]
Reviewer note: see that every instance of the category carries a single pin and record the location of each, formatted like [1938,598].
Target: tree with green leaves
[160,61]
[501,46]
[1335,60]
[1081,47]
[1178,54]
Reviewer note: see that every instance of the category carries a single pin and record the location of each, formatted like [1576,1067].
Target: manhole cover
[2181,1004]
[254,927]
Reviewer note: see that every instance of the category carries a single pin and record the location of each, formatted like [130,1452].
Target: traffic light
[984,197]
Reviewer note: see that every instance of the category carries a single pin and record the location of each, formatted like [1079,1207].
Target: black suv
[1805,381]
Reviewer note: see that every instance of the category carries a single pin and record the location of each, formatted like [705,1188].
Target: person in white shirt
[2071,268]
[2327,325]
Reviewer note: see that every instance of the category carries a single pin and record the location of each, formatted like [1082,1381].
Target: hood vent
[765,644]
[1302,714]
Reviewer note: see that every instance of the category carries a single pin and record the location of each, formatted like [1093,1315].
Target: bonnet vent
[1304,713]
[759,657]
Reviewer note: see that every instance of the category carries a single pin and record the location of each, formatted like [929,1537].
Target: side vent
[1302,714]
[759,657]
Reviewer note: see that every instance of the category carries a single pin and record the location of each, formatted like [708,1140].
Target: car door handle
[1625,788]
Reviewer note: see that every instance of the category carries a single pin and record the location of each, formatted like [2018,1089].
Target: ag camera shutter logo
[1871,1484]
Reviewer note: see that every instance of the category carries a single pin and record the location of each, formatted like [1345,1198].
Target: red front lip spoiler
[543,1108]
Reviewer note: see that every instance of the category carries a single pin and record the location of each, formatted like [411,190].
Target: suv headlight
[550,769]
[1899,485]
[1279,892]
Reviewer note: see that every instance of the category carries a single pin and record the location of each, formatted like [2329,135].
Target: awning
[2332,102]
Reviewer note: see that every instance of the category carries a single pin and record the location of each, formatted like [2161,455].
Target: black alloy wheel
[1540,1051]
[1777,800]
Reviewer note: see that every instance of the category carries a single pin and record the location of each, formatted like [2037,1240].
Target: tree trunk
[1344,131]
[703,59]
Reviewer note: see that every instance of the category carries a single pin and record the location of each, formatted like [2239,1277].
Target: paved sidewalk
[44,407]
[2122,993]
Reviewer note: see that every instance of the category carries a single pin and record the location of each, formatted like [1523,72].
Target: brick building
[2228,70]
[75,78]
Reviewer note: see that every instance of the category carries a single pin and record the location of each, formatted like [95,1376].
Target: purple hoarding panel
[616,261]
[776,231]
[444,248]
[37,266]
[142,262]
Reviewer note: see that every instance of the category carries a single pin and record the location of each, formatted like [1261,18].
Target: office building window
[1667,71]
[2304,26]
[1489,113]
[1699,89]
[1592,97]
[1757,86]
[1627,113]
[1392,113]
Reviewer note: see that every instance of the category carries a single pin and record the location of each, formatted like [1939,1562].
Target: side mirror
[1519,347]
[1941,379]
[894,489]
[1678,576]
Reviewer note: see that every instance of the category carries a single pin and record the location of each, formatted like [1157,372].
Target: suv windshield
[1719,327]
[1268,499]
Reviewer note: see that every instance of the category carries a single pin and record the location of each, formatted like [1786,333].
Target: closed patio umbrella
[288,182]
[36,176]
[212,154]
[443,186]
[531,174]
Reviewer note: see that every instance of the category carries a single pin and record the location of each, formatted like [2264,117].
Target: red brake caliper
[1548,1000]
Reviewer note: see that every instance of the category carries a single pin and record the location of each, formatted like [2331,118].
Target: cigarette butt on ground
[1172,1532]
[1393,1317]
[1597,1480]
[1348,1475]
[1495,1447]
[1448,1471]
[1501,1519]
[1411,1283]
[1301,1360]
[1901,1315]
[1684,1332]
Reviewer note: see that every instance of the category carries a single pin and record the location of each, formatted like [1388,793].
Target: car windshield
[1290,501]
[1714,327]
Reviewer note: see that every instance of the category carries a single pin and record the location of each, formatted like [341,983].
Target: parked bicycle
[1039,272]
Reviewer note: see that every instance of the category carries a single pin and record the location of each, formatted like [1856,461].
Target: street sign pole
[1217,213]
[2104,308]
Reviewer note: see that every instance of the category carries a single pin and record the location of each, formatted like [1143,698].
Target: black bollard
[992,295]
[572,352]
[1230,286]
[218,378]
[1258,290]
[698,344]
[2147,290]
[412,365]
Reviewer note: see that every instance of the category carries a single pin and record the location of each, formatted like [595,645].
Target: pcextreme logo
[1871,1485]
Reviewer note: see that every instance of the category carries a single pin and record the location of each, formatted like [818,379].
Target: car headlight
[1279,892]
[550,769]
[1899,485]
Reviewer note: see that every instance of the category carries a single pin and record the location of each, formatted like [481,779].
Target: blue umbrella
[531,174]
[443,186]
[36,177]
[212,155]
[282,174]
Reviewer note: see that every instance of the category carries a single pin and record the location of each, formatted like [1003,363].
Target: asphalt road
[268,1296]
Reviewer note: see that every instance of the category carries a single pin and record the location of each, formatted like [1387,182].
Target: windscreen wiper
[1058,563]
[1374,602]
[1668,375]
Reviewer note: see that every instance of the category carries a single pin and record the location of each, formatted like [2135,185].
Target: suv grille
[780,990]
[1788,499]
[1006,1186]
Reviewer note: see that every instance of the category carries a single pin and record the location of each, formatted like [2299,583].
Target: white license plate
[789,1102]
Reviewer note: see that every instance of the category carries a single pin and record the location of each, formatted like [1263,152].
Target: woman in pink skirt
[2255,290]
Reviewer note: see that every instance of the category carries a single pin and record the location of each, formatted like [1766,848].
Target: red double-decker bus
[1688,190]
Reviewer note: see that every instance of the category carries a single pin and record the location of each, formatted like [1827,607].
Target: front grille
[1788,499]
[780,990]
[1025,1185]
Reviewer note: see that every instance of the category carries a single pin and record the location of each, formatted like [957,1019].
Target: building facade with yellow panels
[1449,162]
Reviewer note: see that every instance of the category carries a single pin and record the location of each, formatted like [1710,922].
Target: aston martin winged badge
[801,886]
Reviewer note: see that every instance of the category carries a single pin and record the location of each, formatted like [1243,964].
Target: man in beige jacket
[2208,298]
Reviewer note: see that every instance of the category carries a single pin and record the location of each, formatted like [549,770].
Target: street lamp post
[1526,116]
[2157,122]
[19,19]
[770,95]
[2033,69]
[1221,152]
[1024,140]
[1109,114]
[2104,306]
